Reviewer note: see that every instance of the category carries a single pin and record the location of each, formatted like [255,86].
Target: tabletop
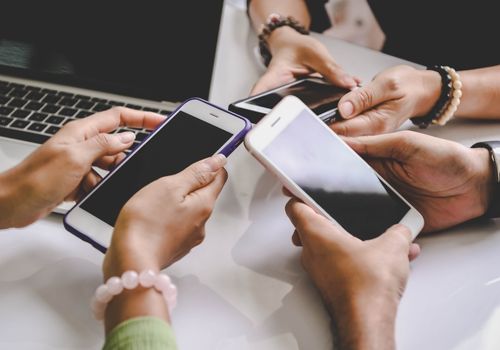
[244,288]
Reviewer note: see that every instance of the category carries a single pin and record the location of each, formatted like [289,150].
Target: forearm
[364,324]
[259,10]
[480,93]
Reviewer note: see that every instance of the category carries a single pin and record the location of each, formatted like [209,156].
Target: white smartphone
[319,168]
[194,131]
[322,98]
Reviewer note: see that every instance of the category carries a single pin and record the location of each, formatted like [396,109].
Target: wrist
[282,37]
[365,322]
[431,90]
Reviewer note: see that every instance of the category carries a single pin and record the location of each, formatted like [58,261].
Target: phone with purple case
[201,123]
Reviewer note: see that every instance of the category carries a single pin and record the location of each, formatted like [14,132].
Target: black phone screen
[319,97]
[179,143]
[341,183]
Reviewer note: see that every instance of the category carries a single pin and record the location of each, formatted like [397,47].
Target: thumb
[397,238]
[395,145]
[200,174]
[106,144]
[362,99]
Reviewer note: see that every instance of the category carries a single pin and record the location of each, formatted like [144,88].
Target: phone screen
[344,185]
[179,143]
[317,96]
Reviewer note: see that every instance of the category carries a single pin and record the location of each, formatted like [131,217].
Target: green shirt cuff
[144,333]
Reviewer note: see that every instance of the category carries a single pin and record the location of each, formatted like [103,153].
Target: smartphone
[316,166]
[322,98]
[195,130]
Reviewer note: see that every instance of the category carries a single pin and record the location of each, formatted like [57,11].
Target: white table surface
[244,288]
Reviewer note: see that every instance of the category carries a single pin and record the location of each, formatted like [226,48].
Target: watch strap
[493,148]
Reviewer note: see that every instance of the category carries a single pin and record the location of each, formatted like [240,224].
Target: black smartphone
[322,98]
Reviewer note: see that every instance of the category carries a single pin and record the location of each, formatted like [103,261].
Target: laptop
[65,61]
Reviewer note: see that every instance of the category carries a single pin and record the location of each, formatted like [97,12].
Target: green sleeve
[141,333]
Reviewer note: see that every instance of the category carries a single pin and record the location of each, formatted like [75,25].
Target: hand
[361,282]
[61,169]
[160,224]
[164,220]
[296,55]
[383,105]
[446,182]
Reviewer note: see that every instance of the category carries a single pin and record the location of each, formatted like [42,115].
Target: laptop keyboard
[34,114]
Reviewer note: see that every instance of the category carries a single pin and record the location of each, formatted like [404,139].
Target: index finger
[111,119]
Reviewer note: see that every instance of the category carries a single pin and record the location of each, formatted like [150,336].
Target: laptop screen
[160,50]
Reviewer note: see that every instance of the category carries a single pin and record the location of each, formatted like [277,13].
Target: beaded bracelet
[275,21]
[454,100]
[131,280]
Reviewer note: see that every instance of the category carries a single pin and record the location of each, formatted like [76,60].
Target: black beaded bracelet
[274,22]
[441,104]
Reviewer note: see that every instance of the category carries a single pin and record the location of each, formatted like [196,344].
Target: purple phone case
[227,150]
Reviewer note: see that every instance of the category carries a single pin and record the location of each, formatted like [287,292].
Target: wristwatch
[493,147]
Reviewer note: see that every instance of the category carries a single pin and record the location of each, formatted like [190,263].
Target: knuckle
[103,141]
[365,98]
[393,83]
[201,177]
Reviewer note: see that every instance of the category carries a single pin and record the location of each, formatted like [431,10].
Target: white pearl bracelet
[131,280]
[456,94]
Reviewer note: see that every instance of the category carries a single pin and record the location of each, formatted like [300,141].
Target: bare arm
[259,10]
[481,93]
[293,54]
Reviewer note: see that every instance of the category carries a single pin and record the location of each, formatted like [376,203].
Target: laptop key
[33,88]
[34,106]
[18,93]
[4,100]
[69,102]
[140,136]
[17,102]
[4,121]
[97,99]
[54,120]
[82,97]
[37,127]
[35,96]
[16,85]
[38,117]
[83,114]
[50,109]
[133,106]
[4,110]
[52,130]
[20,113]
[4,90]
[20,124]
[85,104]
[101,107]
[23,135]
[51,99]
[116,103]
[68,112]
[65,94]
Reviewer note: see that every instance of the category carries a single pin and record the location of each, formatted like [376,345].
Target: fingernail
[346,109]
[215,162]
[126,137]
